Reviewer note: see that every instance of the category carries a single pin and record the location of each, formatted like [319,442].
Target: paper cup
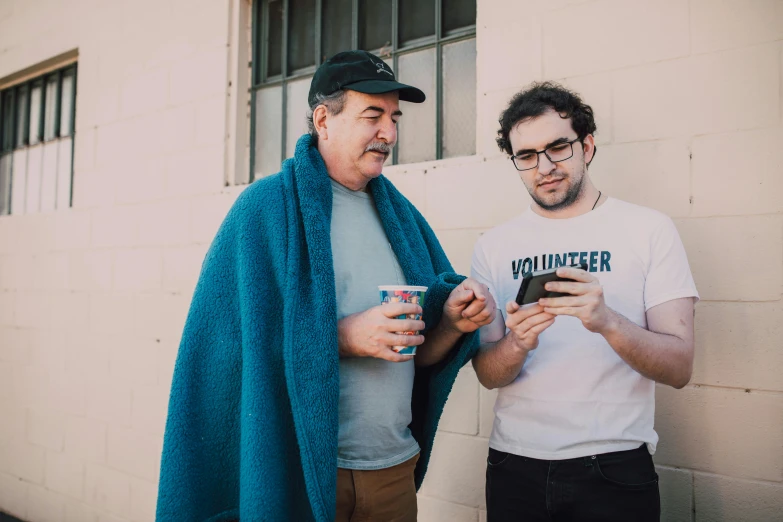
[404,294]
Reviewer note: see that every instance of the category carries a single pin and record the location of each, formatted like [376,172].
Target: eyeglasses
[555,153]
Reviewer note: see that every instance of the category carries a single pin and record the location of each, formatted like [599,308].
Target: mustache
[550,178]
[379,146]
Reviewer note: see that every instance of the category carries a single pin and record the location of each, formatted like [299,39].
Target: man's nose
[545,165]
[388,131]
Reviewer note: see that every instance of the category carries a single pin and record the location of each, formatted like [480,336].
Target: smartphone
[532,287]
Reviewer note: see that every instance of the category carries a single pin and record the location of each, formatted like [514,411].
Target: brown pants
[382,495]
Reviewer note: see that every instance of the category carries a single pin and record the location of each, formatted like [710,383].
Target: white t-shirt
[574,395]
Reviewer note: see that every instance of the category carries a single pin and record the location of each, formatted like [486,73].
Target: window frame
[39,80]
[259,61]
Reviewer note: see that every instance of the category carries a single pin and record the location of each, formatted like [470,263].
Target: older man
[289,401]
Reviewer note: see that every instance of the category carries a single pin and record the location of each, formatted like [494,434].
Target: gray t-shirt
[375,395]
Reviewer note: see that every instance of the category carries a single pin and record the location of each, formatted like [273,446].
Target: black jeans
[620,486]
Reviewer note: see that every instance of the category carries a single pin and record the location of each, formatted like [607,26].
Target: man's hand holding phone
[526,323]
[585,300]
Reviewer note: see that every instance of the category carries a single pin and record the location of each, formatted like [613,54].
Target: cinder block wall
[92,300]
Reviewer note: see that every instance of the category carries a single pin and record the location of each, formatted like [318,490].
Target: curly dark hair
[535,101]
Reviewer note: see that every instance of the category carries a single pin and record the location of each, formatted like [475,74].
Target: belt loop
[589,461]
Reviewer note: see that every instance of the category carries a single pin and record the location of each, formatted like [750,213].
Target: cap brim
[407,93]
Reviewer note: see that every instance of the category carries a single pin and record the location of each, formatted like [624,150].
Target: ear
[589,148]
[320,117]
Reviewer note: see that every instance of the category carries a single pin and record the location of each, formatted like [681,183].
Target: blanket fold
[252,423]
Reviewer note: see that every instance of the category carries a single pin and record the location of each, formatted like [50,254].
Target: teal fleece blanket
[252,423]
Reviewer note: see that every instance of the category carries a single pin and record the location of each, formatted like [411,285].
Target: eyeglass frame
[538,154]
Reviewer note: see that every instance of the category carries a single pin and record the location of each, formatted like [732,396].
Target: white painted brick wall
[144,496]
[655,174]
[138,269]
[65,474]
[13,495]
[434,510]
[719,498]
[44,505]
[134,453]
[734,23]
[689,105]
[108,489]
[91,270]
[726,431]
[182,266]
[699,94]
[86,438]
[744,246]
[6,315]
[457,480]
[144,93]
[738,173]
[676,487]
[738,345]
[461,412]
[594,28]
[46,428]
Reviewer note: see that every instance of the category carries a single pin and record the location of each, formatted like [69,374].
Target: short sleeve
[669,276]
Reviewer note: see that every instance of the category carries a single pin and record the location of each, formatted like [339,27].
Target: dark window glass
[458,13]
[274,43]
[8,120]
[301,34]
[22,115]
[335,27]
[416,19]
[291,32]
[375,24]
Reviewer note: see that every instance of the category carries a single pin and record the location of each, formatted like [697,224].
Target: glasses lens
[526,161]
[559,152]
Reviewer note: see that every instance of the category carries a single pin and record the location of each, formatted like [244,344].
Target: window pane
[66,104]
[33,195]
[64,174]
[296,113]
[459,99]
[458,13]
[268,125]
[50,108]
[274,43]
[335,27]
[416,137]
[35,113]
[21,116]
[5,184]
[301,34]
[375,24]
[19,183]
[49,176]
[7,111]
[417,19]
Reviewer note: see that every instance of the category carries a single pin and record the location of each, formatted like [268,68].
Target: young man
[573,432]
[286,369]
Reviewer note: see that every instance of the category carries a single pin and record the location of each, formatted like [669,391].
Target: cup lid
[403,288]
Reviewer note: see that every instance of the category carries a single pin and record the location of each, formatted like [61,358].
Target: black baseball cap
[362,72]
